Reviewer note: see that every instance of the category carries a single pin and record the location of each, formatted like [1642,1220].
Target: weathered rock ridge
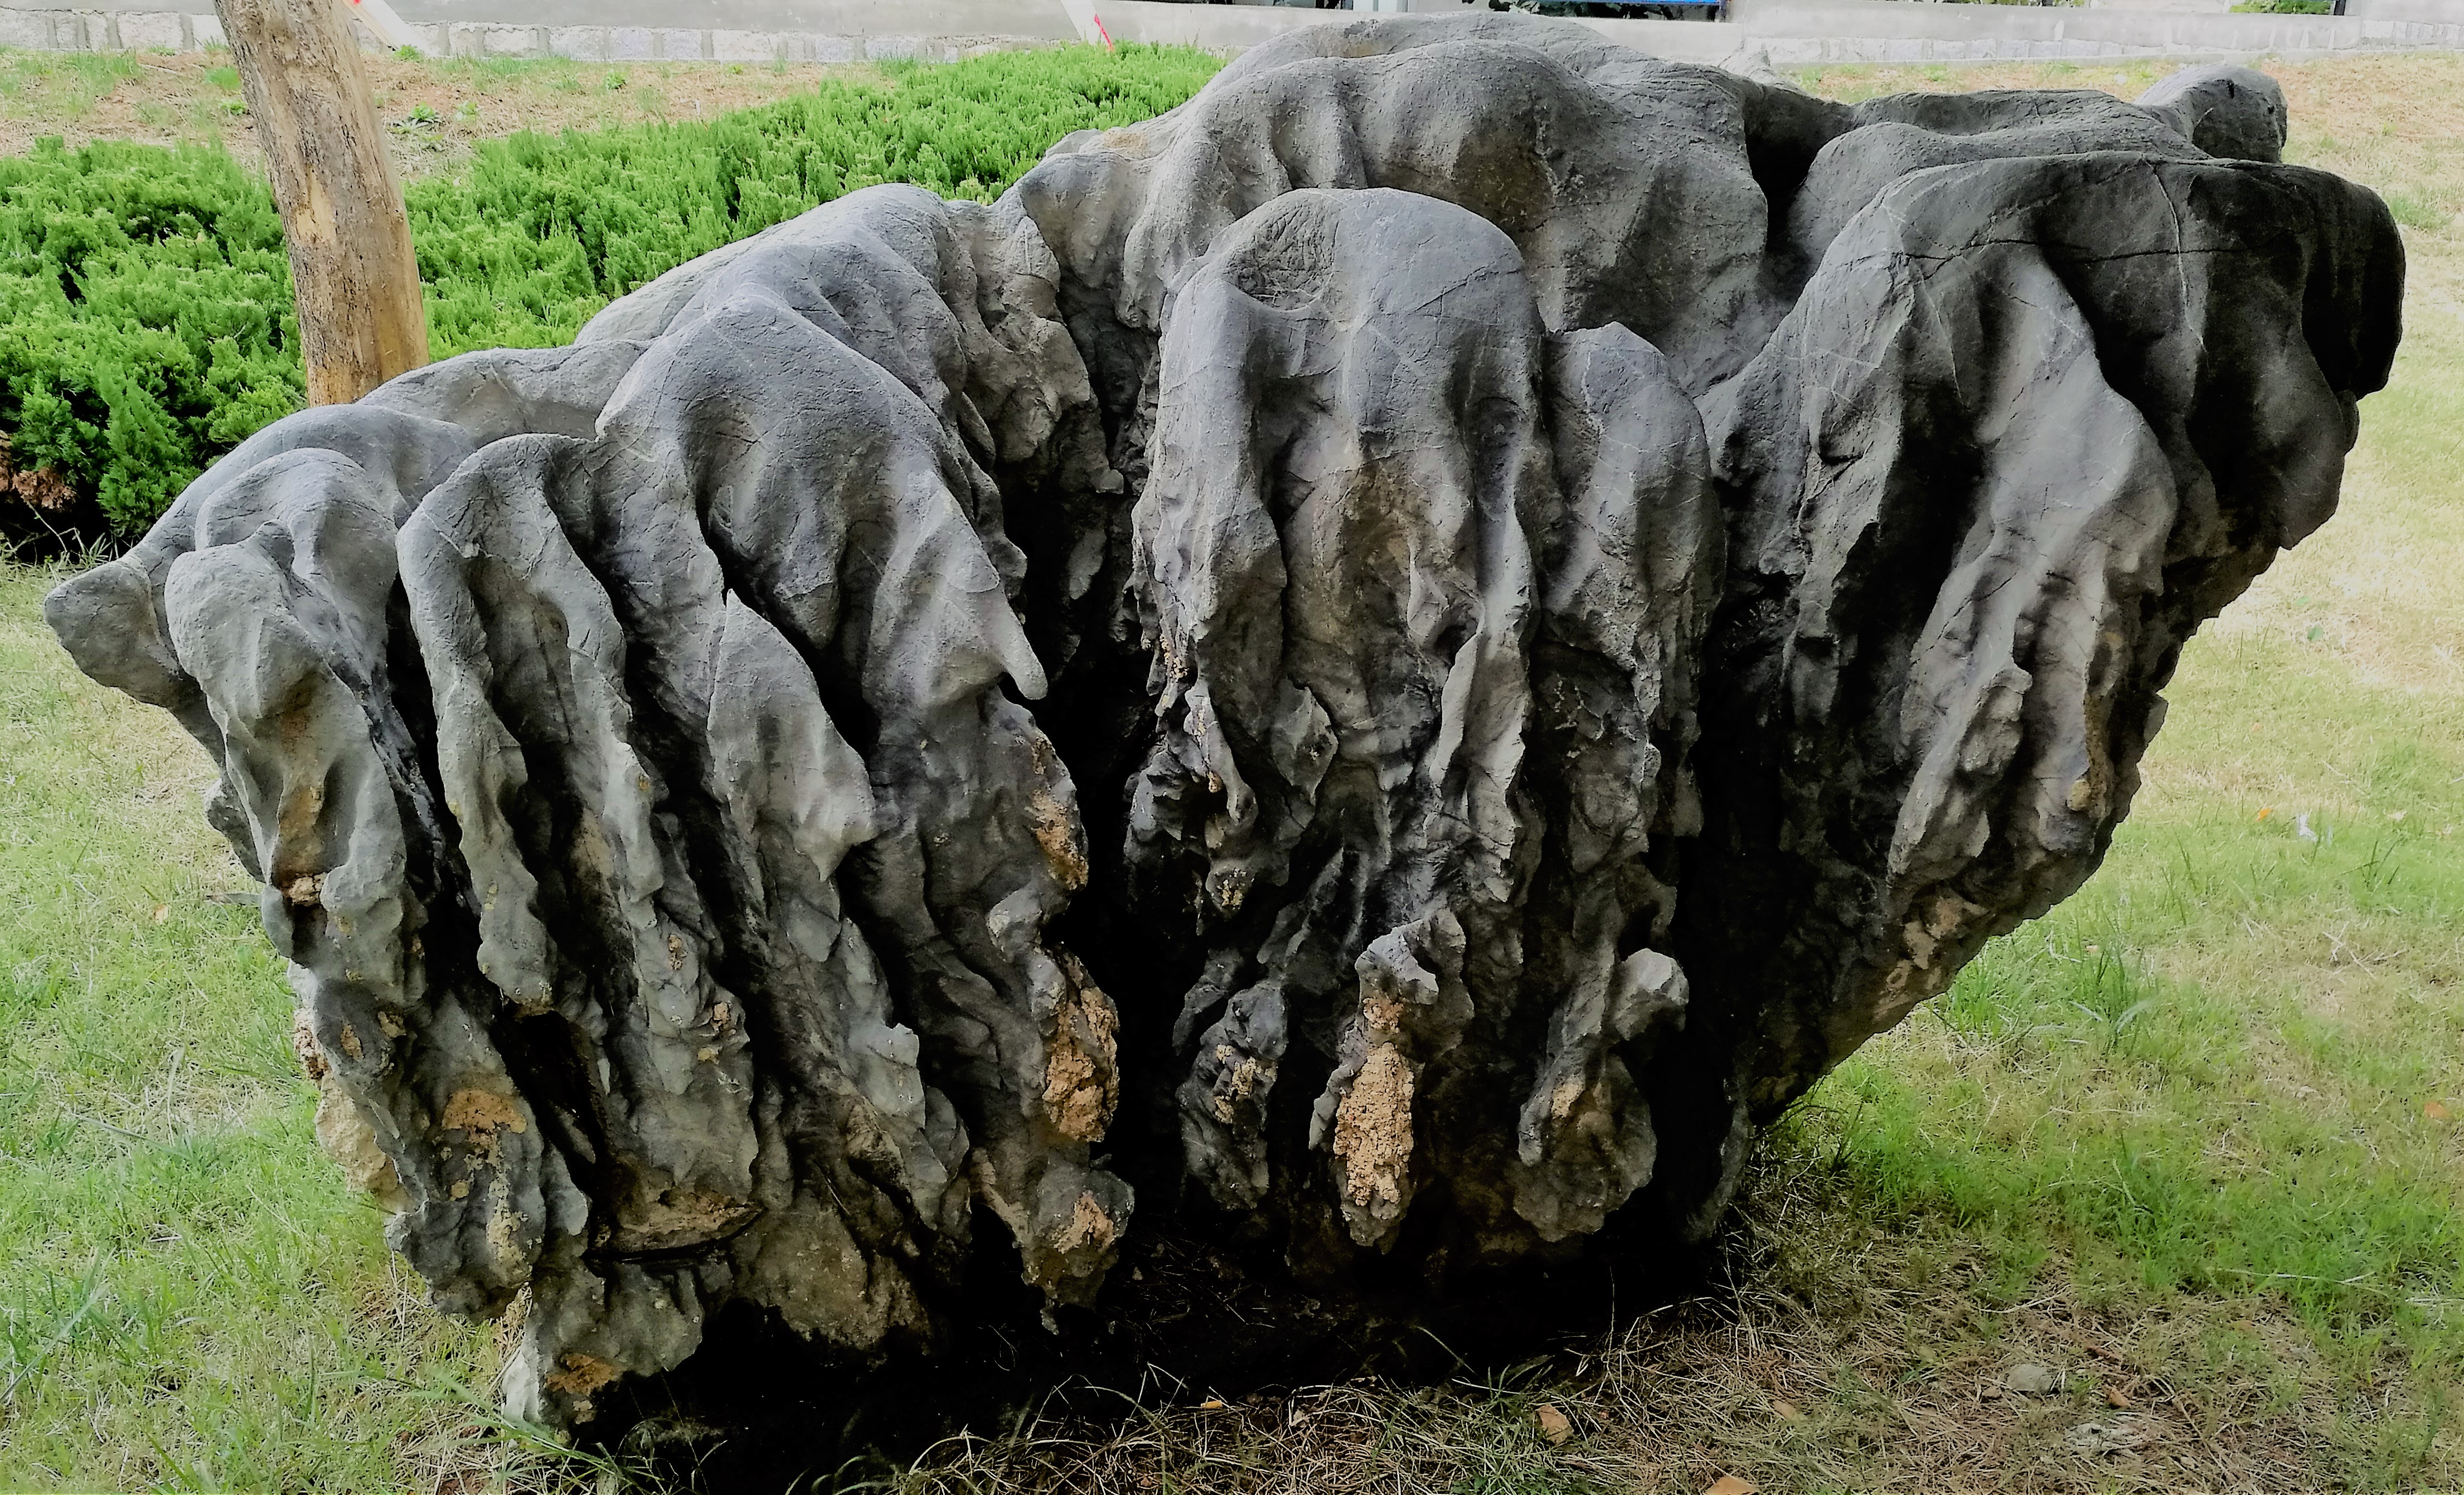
[1318,709]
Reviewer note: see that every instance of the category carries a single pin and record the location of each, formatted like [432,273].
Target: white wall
[2448,13]
[1774,32]
[2190,7]
[1795,32]
[1800,32]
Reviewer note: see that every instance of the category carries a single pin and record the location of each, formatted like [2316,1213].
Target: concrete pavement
[1762,34]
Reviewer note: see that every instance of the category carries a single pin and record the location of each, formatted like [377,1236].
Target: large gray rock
[1292,730]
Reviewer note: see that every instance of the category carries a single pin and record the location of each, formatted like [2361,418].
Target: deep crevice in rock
[1260,757]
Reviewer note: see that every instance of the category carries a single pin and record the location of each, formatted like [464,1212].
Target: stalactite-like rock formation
[1313,713]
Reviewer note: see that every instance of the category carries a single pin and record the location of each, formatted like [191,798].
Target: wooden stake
[352,271]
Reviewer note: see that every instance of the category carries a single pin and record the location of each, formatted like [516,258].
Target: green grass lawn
[2194,1142]
[189,1296]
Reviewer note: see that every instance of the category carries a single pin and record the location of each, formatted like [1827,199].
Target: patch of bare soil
[434,110]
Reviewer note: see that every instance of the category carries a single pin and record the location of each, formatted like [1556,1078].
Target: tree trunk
[352,269]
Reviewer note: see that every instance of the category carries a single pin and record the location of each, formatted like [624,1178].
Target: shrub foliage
[147,294]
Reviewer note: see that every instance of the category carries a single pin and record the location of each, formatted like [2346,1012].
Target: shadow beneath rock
[759,1410]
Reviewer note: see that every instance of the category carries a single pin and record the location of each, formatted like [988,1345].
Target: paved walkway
[1038,18]
[1765,33]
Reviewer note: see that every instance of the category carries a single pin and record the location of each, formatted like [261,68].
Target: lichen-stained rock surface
[1291,732]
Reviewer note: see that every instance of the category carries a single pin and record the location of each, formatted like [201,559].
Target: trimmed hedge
[146,292]
[146,299]
[543,231]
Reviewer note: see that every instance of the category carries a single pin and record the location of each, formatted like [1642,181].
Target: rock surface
[1315,711]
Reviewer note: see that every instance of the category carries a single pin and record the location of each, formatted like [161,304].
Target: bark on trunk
[352,271]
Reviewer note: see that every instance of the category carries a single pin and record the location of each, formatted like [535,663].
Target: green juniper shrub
[147,298]
[147,291]
[543,231]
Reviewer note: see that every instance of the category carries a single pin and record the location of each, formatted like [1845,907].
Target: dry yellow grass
[436,108]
